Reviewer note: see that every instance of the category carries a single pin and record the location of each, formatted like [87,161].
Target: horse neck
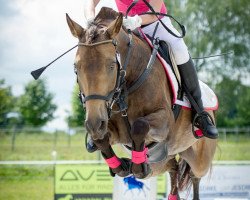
[140,54]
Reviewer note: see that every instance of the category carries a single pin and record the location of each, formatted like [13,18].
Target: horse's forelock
[97,27]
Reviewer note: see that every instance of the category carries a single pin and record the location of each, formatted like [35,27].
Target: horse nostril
[95,126]
[88,126]
[102,126]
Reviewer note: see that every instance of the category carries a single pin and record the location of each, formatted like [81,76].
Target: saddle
[180,99]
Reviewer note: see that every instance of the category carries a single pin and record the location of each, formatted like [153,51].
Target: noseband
[115,96]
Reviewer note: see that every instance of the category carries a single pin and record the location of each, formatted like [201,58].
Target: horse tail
[184,176]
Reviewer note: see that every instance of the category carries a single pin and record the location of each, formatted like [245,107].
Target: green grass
[41,146]
[36,182]
[233,148]
[26,190]
[26,183]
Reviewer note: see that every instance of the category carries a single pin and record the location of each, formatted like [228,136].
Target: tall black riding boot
[190,81]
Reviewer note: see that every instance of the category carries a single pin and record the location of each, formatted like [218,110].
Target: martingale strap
[139,157]
[113,162]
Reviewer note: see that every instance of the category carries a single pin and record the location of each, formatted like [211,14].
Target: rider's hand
[132,22]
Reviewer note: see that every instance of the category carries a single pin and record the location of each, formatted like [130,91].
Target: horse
[108,62]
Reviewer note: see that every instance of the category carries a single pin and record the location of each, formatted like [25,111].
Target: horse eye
[112,65]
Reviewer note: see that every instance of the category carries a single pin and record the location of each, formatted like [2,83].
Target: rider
[178,46]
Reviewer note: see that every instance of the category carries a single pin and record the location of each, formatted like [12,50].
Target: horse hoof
[124,169]
[144,171]
[119,171]
[123,173]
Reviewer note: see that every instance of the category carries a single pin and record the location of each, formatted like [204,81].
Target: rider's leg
[190,79]
[187,71]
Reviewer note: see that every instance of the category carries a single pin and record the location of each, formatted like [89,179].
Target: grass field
[36,182]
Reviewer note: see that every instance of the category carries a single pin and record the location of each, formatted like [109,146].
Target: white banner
[130,188]
[223,183]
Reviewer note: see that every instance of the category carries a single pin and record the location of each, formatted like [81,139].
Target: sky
[32,34]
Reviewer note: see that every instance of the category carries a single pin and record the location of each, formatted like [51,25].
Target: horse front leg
[140,167]
[116,165]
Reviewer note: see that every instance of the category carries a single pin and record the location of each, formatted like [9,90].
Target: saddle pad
[209,99]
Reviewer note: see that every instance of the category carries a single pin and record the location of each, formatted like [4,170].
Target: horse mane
[97,27]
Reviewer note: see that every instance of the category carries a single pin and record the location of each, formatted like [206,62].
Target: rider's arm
[147,19]
[89,8]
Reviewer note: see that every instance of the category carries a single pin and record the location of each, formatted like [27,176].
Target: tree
[215,27]
[243,107]
[35,105]
[77,118]
[234,98]
[6,103]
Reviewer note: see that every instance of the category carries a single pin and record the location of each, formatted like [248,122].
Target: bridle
[118,93]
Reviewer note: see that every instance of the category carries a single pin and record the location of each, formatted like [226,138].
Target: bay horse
[108,59]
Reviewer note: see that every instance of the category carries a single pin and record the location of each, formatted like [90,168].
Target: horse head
[96,66]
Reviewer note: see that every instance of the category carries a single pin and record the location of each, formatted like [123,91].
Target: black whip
[37,73]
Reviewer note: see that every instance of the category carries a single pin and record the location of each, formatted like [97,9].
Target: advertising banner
[93,182]
[78,182]
[223,183]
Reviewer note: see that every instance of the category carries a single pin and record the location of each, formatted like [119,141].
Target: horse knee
[139,130]
[140,168]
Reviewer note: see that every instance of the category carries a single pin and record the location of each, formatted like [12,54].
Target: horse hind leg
[173,172]
[140,168]
[196,184]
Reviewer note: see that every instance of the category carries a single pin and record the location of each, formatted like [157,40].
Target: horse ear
[115,26]
[76,30]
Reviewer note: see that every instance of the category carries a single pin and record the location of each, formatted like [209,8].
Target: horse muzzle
[97,128]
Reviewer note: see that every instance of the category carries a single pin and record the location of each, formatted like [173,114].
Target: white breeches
[178,46]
